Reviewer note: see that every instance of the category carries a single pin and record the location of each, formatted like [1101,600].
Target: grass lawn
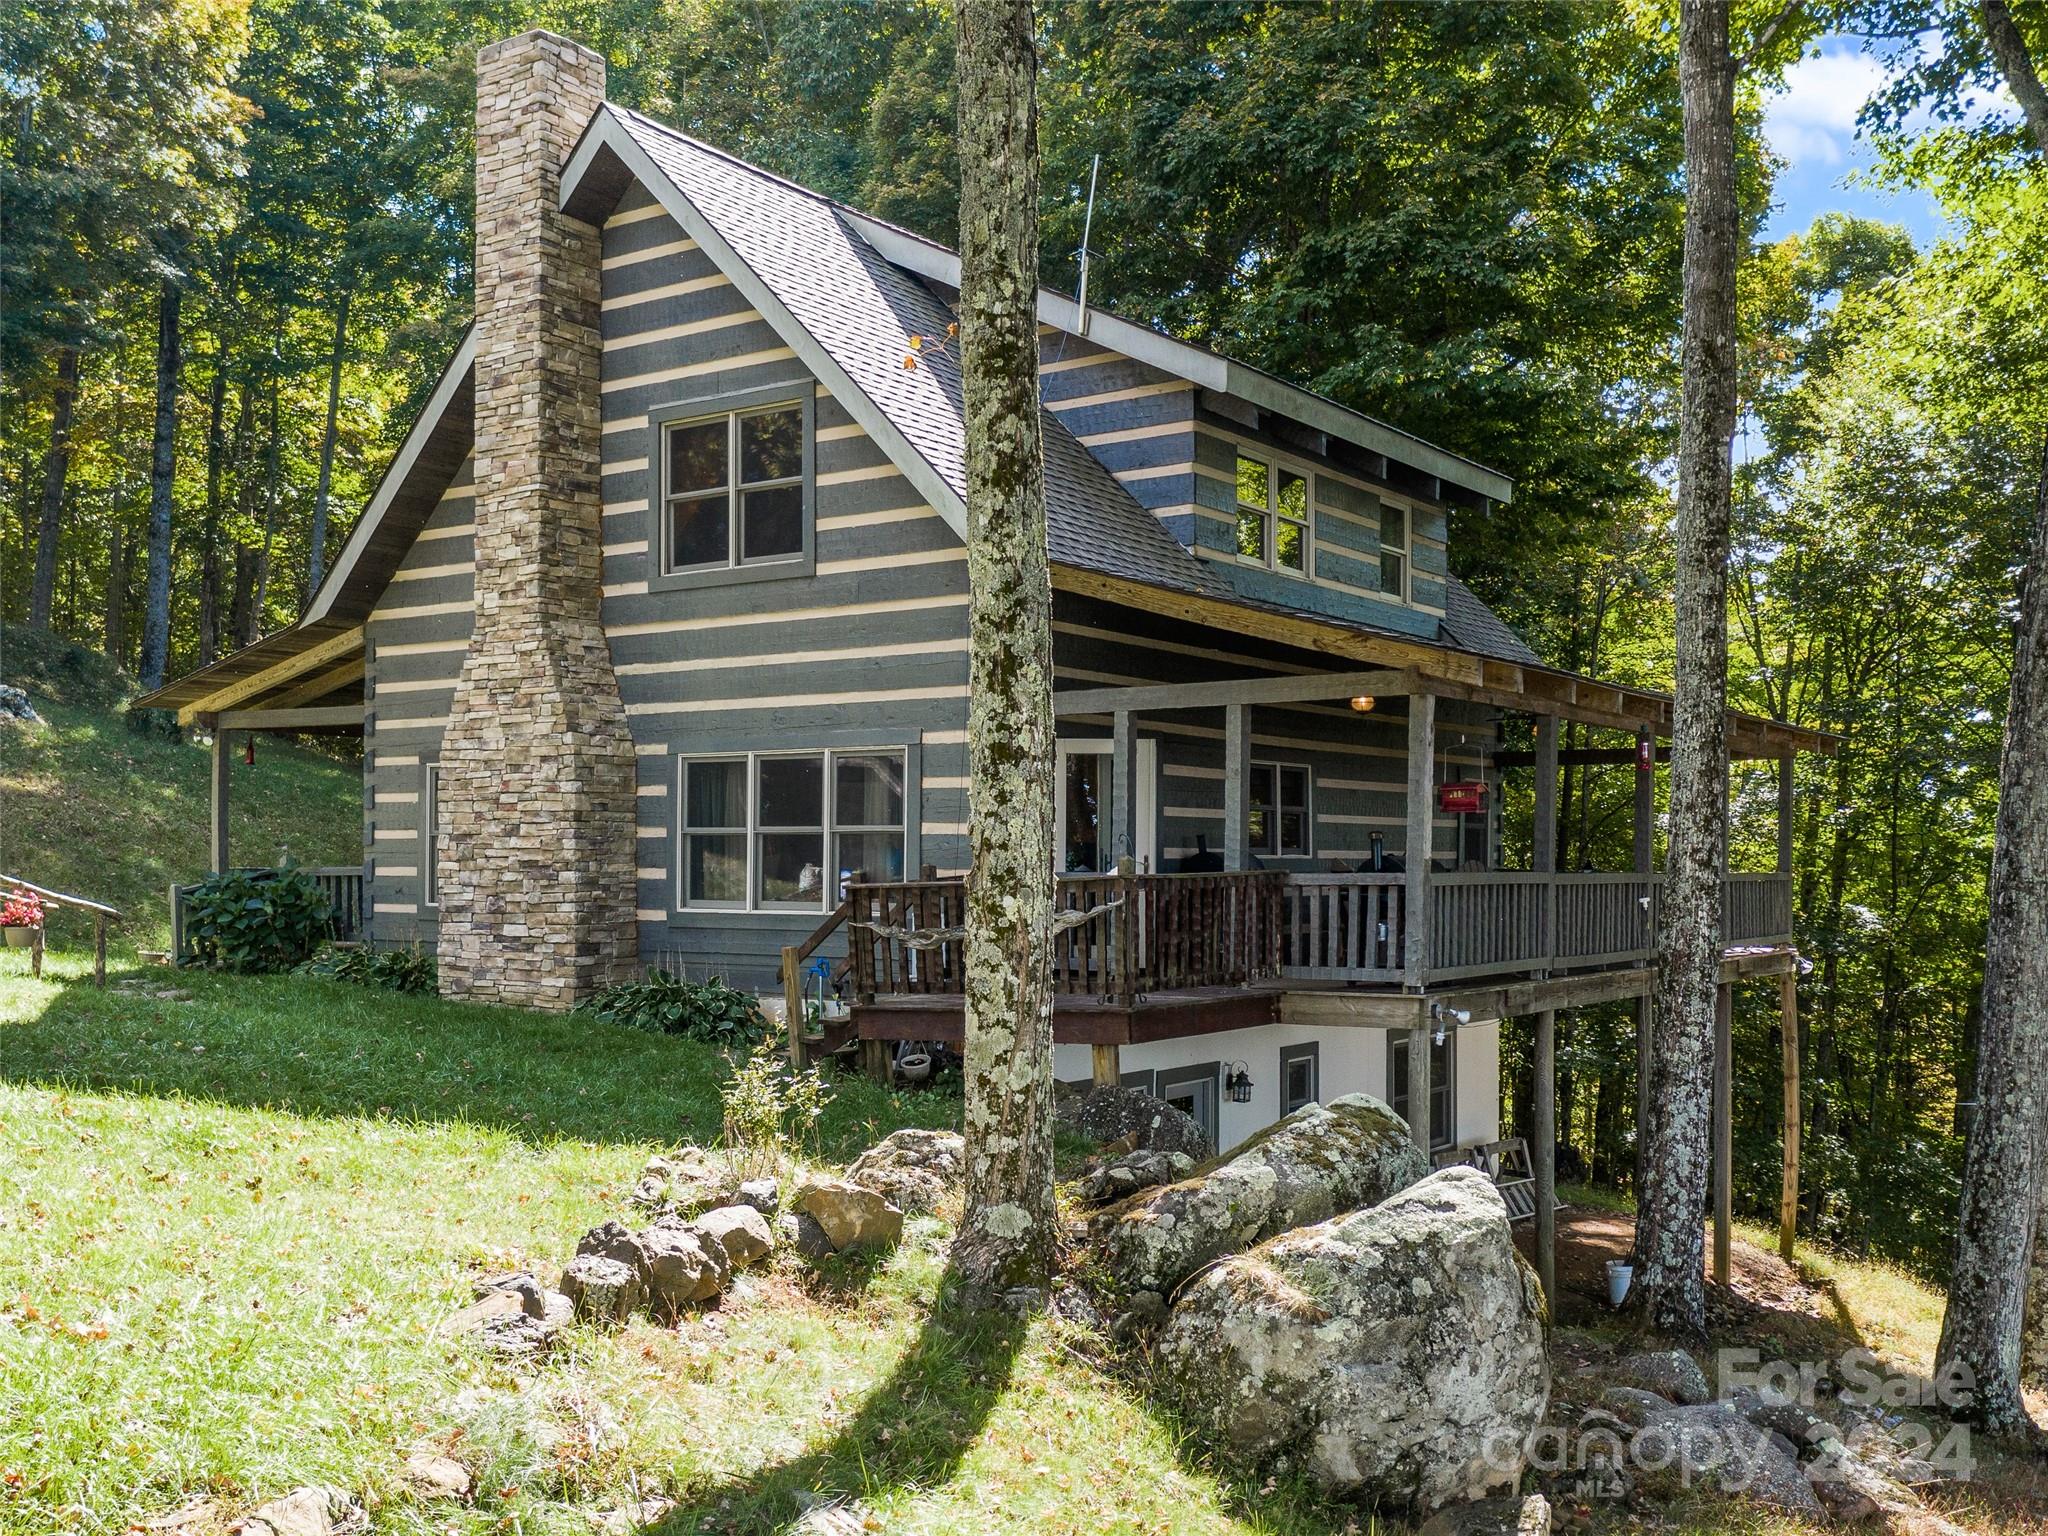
[230,1223]
[91,807]
[233,1219]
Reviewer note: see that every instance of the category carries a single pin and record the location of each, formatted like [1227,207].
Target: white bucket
[1619,1278]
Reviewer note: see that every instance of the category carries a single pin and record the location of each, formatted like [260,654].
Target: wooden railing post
[1421,837]
[1126,931]
[793,1003]
[1544,852]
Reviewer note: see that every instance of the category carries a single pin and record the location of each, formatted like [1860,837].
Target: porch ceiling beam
[325,718]
[320,685]
[1294,689]
[274,676]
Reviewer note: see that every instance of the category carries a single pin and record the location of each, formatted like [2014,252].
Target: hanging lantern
[1237,1083]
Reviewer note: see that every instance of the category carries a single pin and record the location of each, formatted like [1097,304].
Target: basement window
[736,487]
[785,831]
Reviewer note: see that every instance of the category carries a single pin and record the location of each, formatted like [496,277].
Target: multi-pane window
[430,834]
[1443,1061]
[733,488]
[787,830]
[1278,812]
[1393,550]
[1272,514]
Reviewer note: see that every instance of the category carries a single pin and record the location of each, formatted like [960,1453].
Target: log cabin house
[655,633]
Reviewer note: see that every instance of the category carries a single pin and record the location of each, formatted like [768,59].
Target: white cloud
[1813,118]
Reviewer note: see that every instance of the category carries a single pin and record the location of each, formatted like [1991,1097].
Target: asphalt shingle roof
[862,310]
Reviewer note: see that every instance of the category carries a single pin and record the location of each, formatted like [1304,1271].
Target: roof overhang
[1445,671]
[305,664]
[1199,366]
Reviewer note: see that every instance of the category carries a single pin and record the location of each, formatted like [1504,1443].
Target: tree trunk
[2004,1156]
[316,564]
[2009,48]
[259,606]
[242,586]
[117,598]
[156,610]
[1670,1286]
[209,538]
[1006,1235]
[56,468]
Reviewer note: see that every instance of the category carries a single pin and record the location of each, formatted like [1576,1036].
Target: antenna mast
[1087,229]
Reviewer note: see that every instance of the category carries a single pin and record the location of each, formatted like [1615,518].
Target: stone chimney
[536,865]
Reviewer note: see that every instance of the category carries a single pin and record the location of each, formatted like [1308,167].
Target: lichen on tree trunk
[1006,1234]
[2004,1160]
[1670,1286]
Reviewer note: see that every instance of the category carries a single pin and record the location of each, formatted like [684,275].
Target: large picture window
[1272,514]
[785,830]
[1278,811]
[732,488]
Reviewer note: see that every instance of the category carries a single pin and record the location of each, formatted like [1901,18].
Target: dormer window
[1272,515]
[733,487]
[1394,550]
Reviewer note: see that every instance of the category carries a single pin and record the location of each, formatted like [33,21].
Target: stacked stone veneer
[537,800]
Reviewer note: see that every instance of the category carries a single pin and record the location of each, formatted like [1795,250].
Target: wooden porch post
[1543,853]
[1237,785]
[1416,856]
[1788,1032]
[1785,814]
[1123,794]
[1108,1065]
[793,1004]
[217,843]
[1418,1087]
[1543,1152]
[1646,815]
[1724,1151]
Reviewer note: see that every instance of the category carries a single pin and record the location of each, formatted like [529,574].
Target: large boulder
[1713,1445]
[1320,1160]
[1132,1118]
[845,1215]
[1396,1353]
[914,1170]
[1670,1373]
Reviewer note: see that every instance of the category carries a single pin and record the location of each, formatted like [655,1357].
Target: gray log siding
[868,651]
[1357,763]
[413,648]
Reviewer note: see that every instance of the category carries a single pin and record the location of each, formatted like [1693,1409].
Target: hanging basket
[19,936]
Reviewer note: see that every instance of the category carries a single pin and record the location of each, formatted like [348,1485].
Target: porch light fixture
[1363,703]
[1237,1083]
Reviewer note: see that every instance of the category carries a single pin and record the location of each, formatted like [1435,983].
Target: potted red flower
[20,916]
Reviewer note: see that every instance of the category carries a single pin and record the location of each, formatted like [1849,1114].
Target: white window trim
[1270,513]
[1308,809]
[830,828]
[734,532]
[1405,549]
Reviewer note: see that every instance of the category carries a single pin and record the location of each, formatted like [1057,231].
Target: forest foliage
[1464,219]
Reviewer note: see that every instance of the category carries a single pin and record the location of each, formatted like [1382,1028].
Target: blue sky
[1811,125]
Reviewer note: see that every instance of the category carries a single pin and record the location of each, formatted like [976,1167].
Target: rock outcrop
[1395,1353]
[1120,1177]
[914,1170]
[1319,1161]
[1130,1117]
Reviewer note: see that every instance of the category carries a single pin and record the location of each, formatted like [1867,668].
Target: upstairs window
[1272,515]
[733,489]
[1279,811]
[1394,550]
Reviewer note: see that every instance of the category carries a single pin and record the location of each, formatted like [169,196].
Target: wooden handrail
[100,911]
[15,882]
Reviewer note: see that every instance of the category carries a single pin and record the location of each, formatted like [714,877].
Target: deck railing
[1154,933]
[1157,933]
[1501,922]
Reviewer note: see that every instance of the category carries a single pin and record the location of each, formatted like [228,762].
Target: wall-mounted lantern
[1237,1082]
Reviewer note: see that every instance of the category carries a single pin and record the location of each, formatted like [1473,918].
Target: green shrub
[703,1010]
[771,1112]
[395,970]
[255,920]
